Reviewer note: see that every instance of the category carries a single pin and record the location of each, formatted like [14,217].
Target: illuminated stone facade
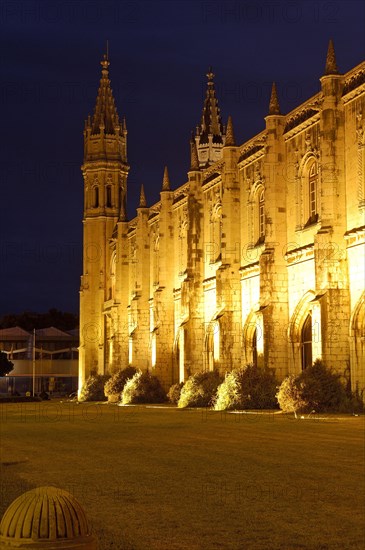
[258,257]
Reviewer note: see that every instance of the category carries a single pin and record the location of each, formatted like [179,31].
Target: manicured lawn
[169,479]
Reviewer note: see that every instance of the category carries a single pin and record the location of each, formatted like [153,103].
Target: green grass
[170,479]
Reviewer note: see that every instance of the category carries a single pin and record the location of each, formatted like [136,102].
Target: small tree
[115,384]
[143,388]
[290,396]
[6,366]
[199,390]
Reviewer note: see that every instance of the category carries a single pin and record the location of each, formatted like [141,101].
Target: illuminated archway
[253,338]
[305,333]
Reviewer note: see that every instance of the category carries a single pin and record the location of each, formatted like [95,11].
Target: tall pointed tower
[210,133]
[105,171]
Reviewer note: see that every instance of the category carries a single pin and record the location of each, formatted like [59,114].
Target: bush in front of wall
[143,388]
[93,388]
[173,395]
[199,390]
[115,385]
[319,389]
[249,387]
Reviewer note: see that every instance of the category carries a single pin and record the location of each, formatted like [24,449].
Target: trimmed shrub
[143,388]
[248,387]
[93,388]
[173,395]
[199,390]
[228,393]
[290,396]
[317,388]
[116,383]
[323,388]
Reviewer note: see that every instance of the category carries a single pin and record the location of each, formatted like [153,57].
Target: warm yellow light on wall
[130,350]
[110,352]
[153,350]
[216,341]
[316,331]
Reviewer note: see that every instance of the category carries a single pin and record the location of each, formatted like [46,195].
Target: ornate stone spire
[230,140]
[210,133]
[331,65]
[194,160]
[142,198]
[105,114]
[166,180]
[211,122]
[274,107]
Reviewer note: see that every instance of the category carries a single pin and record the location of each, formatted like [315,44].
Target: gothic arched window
[258,216]
[96,196]
[108,196]
[310,190]
[306,342]
[261,215]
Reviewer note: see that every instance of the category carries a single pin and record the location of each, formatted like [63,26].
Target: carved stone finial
[194,160]
[230,140]
[166,180]
[210,76]
[331,65]
[123,213]
[105,64]
[142,198]
[274,107]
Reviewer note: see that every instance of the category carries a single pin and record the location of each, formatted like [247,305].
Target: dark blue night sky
[159,54]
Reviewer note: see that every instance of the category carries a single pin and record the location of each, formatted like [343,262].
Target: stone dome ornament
[46,518]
